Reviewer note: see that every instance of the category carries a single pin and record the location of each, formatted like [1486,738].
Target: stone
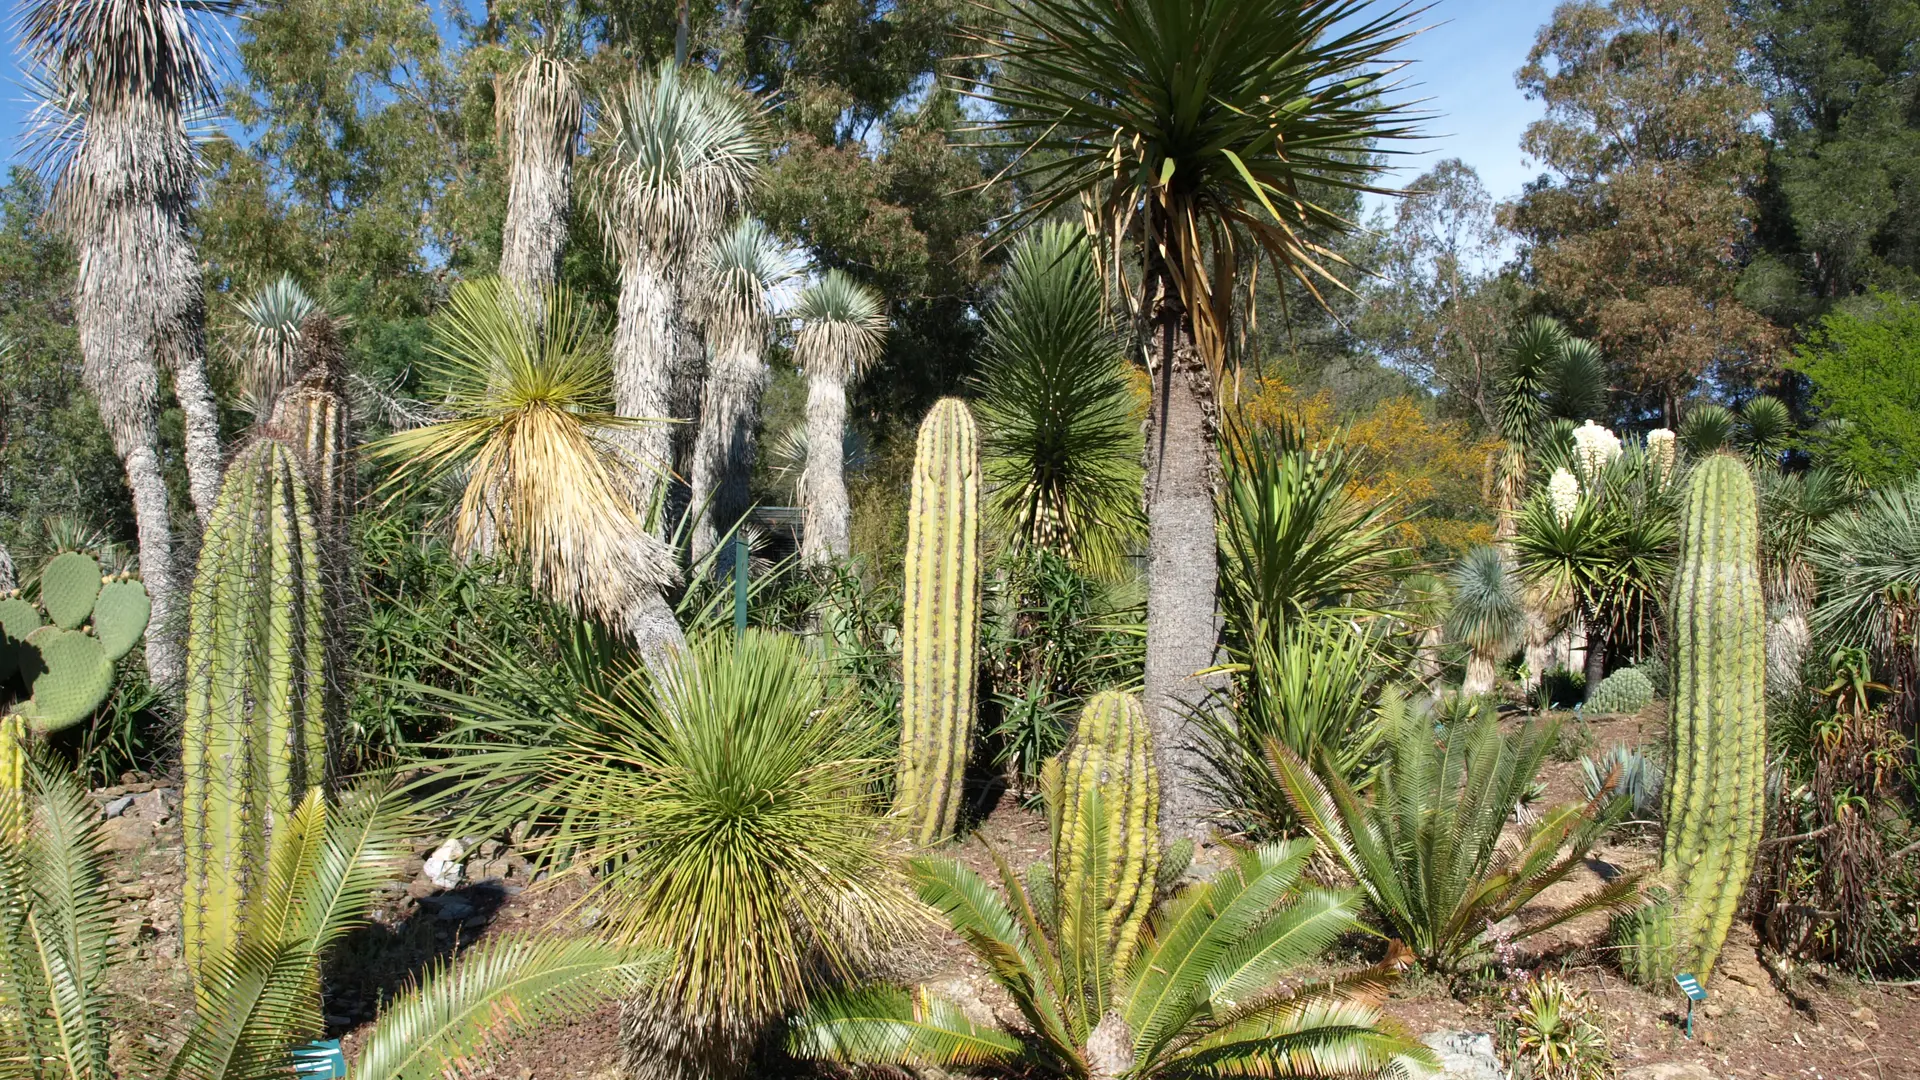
[491,848]
[518,834]
[493,870]
[127,833]
[152,806]
[452,908]
[1465,1055]
[445,867]
[1668,1070]
[119,806]
[420,888]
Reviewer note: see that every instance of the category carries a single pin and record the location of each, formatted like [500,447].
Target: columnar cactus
[311,414]
[1111,760]
[255,737]
[13,778]
[939,626]
[66,662]
[1716,784]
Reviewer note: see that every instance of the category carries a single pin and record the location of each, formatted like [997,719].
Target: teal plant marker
[739,584]
[321,1059]
[1691,987]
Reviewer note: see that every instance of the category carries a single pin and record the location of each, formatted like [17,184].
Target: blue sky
[1464,63]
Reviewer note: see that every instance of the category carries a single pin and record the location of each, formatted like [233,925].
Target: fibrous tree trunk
[723,450]
[187,360]
[643,363]
[684,394]
[1182,568]
[823,485]
[1480,675]
[539,195]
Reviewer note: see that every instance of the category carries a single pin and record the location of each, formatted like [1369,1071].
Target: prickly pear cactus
[64,662]
[1110,856]
[940,624]
[255,734]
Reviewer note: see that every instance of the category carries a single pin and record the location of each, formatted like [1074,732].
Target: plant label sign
[1696,993]
[321,1059]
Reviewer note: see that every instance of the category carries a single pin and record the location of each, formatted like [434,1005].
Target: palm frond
[1318,1035]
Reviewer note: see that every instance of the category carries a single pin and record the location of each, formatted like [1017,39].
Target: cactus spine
[1103,802]
[311,414]
[940,623]
[255,735]
[1717,782]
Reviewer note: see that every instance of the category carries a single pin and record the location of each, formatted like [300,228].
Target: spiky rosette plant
[939,625]
[254,737]
[1486,613]
[312,414]
[264,340]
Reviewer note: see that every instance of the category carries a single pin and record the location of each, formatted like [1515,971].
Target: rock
[444,867]
[420,888]
[590,918]
[491,849]
[119,806]
[1865,1015]
[1668,1070]
[493,870]
[452,908]
[518,834]
[1465,1055]
[152,806]
[127,834]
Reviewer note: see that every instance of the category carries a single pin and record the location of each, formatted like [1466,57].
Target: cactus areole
[940,624]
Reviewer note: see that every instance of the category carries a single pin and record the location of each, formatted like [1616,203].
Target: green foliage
[1707,428]
[1553,1035]
[1627,690]
[1203,996]
[1628,773]
[1485,611]
[1867,564]
[1864,363]
[1717,727]
[1061,451]
[1550,375]
[66,667]
[939,627]
[258,689]
[1428,848]
[1766,430]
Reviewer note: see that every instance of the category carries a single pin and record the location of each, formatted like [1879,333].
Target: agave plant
[262,997]
[1707,428]
[1061,453]
[1203,995]
[842,326]
[1486,613]
[1429,850]
[728,803]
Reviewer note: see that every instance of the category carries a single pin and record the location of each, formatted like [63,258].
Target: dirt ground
[1757,1024]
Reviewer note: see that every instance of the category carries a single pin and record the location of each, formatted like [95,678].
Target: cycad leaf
[888,1026]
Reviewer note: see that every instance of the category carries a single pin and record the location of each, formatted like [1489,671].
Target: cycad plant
[729,805]
[1428,845]
[532,417]
[675,154]
[1195,135]
[1204,994]
[842,326]
[120,85]
[263,998]
[1486,613]
[1061,446]
[746,270]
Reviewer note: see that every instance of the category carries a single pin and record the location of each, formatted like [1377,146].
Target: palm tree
[262,998]
[1486,613]
[842,325]
[531,429]
[745,271]
[729,802]
[537,111]
[120,83]
[1062,446]
[675,153]
[1202,127]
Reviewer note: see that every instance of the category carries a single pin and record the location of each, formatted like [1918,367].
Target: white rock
[445,866]
[1465,1055]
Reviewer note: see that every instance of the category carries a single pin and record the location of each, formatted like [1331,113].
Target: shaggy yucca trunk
[723,450]
[823,485]
[538,113]
[643,362]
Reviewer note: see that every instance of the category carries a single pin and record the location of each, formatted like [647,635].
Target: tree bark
[684,394]
[723,450]
[823,485]
[1596,657]
[643,361]
[8,582]
[1480,675]
[187,359]
[539,196]
[1182,566]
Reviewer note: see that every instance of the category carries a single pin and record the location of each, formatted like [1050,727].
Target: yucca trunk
[187,360]
[1480,675]
[1182,569]
[643,363]
[539,198]
[823,484]
[722,464]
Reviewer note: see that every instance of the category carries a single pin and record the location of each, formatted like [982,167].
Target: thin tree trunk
[723,452]
[1596,657]
[684,394]
[643,363]
[823,486]
[1182,567]
[1480,675]
[8,582]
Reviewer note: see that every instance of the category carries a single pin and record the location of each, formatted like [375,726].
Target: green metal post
[739,585]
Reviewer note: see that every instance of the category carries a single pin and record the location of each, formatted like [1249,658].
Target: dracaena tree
[121,85]
[1197,131]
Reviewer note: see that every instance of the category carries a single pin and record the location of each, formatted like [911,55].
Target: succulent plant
[63,651]
[1625,691]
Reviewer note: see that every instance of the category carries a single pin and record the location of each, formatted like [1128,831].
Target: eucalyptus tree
[538,110]
[1201,128]
[675,152]
[121,84]
[842,326]
[744,272]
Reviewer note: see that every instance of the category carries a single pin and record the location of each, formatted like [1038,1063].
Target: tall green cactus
[311,414]
[1106,781]
[255,737]
[940,624]
[1716,784]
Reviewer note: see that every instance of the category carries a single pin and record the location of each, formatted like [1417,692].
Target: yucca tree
[1429,845]
[728,802]
[1485,612]
[265,353]
[744,274]
[1061,451]
[121,83]
[1204,995]
[1202,128]
[538,109]
[1550,376]
[56,946]
[675,154]
[531,428]
[842,326]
